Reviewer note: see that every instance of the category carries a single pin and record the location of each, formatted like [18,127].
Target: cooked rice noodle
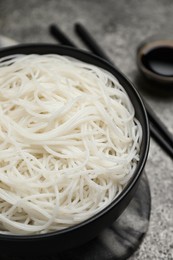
[69,142]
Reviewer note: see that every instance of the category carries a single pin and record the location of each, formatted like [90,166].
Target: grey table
[119,26]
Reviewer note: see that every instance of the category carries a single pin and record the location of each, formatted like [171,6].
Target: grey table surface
[119,26]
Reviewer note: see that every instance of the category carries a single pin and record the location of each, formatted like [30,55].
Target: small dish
[155,61]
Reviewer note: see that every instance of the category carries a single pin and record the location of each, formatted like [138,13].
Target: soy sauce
[159,61]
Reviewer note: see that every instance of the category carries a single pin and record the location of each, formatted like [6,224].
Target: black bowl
[53,242]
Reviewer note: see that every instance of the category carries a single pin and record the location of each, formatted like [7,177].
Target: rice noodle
[69,142]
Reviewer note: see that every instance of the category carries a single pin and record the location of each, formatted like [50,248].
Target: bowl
[57,241]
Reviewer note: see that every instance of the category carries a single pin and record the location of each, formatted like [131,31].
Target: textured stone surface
[119,26]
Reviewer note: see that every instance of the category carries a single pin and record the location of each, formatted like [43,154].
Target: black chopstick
[158,130]
[90,42]
[160,140]
[154,119]
[58,34]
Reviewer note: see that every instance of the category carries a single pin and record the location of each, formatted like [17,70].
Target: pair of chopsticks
[157,129]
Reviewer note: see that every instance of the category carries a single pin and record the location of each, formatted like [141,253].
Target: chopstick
[90,42]
[58,34]
[157,129]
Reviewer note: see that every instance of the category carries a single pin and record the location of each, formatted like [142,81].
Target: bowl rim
[18,49]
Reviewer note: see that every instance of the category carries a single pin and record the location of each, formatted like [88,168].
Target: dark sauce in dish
[159,61]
